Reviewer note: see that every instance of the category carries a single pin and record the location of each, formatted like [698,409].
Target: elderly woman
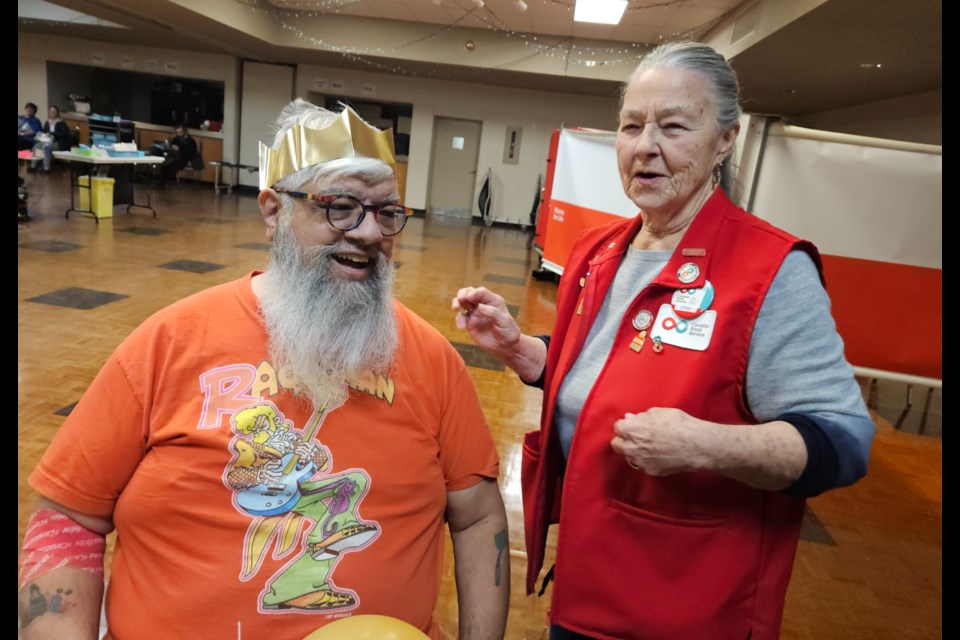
[695,386]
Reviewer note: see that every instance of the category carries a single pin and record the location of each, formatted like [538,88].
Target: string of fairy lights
[288,14]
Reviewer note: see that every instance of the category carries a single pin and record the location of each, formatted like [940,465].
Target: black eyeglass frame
[327,199]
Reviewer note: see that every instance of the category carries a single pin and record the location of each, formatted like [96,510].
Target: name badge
[690,303]
[686,333]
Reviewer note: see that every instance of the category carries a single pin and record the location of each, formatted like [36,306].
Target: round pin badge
[643,320]
[688,273]
[690,303]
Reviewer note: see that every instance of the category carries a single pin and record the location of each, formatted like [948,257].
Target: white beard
[324,330]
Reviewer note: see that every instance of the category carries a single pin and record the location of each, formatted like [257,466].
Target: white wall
[537,112]
[34,50]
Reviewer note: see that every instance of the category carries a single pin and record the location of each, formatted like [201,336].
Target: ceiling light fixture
[521,5]
[599,11]
[479,3]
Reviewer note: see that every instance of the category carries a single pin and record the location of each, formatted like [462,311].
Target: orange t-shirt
[155,443]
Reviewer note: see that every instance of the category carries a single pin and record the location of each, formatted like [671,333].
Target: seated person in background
[179,151]
[56,136]
[280,450]
[27,127]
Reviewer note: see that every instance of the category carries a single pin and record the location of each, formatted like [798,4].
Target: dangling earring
[717,173]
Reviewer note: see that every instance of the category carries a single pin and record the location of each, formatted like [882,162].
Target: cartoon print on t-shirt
[281,477]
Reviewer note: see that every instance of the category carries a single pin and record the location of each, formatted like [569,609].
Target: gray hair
[300,112]
[696,56]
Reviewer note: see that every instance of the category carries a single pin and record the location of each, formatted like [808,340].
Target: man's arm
[481,550]
[61,573]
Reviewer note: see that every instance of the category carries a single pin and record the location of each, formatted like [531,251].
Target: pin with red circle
[690,303]
[688,272]
[643,320]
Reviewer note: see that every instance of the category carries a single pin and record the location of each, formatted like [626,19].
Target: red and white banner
[874,209]
[586,192]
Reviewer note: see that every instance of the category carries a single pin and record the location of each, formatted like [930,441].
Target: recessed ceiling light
[870,65]
[600,11]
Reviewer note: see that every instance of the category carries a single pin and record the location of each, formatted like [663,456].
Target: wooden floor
[870,562]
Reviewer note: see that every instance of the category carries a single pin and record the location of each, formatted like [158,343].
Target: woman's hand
[659,441]
[485,316]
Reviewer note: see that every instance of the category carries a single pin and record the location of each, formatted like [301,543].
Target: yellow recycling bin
[101,190]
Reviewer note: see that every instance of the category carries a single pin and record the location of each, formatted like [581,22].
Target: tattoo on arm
[39,603]
[501,540]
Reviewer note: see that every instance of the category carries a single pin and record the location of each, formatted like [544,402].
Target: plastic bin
[84,203]
[101,190]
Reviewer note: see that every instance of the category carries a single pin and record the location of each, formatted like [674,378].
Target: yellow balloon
[368,627]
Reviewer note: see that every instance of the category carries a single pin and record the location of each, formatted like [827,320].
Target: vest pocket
[685,520]
[679,576]
[529,461]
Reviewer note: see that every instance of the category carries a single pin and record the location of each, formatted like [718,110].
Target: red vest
[691,555]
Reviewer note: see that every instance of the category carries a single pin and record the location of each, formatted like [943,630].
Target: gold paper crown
[347,136]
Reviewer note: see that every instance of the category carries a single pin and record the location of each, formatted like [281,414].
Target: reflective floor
[869,564]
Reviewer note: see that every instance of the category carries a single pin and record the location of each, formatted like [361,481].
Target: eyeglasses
[345,212]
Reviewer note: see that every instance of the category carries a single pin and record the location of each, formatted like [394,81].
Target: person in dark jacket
[27,127]
[179,151]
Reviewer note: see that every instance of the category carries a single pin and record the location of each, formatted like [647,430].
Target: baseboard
[478,221]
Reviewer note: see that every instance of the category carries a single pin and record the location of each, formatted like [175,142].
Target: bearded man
[279,451]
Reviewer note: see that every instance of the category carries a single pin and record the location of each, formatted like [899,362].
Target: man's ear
[269,201]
